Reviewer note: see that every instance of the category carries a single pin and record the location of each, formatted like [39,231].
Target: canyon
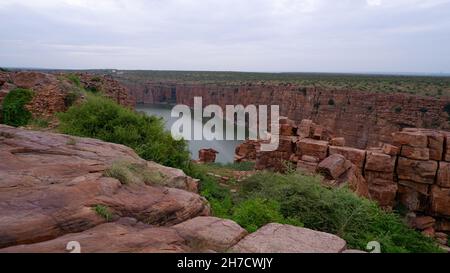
[364,119]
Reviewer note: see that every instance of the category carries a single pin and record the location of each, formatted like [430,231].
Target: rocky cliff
[57,189]
[56,92]
[414,170]
[364,118]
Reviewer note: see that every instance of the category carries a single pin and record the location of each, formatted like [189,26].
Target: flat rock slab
[278,238]
[211,233]
[112,238]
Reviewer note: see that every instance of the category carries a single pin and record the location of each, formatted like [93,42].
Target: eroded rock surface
[278,238]
[50,185]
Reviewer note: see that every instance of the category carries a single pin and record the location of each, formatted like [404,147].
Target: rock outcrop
[54,91]
[51,185]
[277,238]
[207,155]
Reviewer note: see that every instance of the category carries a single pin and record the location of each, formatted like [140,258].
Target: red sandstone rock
[414,139]
[32,79]
[423,222]
[440,200]
[308,167]
[413,200]
[304,130]
[211,233]
[112,238]
[309,158]
[429,232]
[337,141]
[356,156]
[317,148]
[390,149]
[443,225]
[417,171]
[334,166]
[207,155]
[54,181]
[379,162]
[318,132]
[286,130]
[447,149]
[443,178]
[357,183]
[419,187]
[415,153]
[277,238]
[380,178]
[384,195]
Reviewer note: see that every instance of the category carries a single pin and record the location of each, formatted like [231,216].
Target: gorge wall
[364,119]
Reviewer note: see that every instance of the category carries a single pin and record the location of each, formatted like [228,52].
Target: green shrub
[128,173]
[254,213]
[398,109]
[39,123]
[14,111]
[74,79]
[104,119]
[103,211]
[337,211]
[71,98]
[331,102]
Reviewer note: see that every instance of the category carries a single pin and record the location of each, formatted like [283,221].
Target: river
[224,147]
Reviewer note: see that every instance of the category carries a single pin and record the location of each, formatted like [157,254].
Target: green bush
[14,112]
[337,211]
[104,119]
[74,79]
[254,213]
[104,212]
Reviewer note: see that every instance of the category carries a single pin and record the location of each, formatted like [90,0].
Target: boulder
[207,155]
[334,166]
[307,167]
[384,195]
[390,149]
[277,238]
[337,141]
[211,233]
[379,162]
[304,129]
[414,139]
[311,147]
[443,177]
[422,222]
[356,156]
[309,158]
[440,200]
[356,182]
[417,170]
[415,153]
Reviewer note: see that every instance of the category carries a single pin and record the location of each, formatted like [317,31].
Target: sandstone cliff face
[363,119]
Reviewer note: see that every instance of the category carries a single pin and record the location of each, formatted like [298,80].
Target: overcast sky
[238,35]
